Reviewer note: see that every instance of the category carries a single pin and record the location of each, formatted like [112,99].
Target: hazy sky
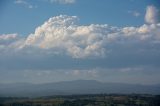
[56,40]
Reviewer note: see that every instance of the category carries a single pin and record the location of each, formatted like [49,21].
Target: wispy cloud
[63,1]
[25,3]
[134,13]
[8,36]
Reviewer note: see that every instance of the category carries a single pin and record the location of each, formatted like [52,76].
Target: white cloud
[82,73]
[134,13]
[152,15]
[25,3]
[10,43]
[61,35]
[20,2]
[8,36]
[7,39]
[63,1]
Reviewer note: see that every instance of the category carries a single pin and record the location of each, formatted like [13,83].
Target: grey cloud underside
[120,55]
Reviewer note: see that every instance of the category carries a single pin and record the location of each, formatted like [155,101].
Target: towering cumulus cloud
[62,35]
[61,49]
[152,15]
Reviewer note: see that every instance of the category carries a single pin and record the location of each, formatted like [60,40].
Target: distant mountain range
[74,87]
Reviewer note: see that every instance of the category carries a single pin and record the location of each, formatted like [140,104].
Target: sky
[44,41]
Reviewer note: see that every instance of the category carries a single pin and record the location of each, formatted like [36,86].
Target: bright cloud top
[152,15]
[62,35]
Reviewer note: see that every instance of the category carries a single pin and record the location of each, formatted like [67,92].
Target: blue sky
[19,18]
[56,40]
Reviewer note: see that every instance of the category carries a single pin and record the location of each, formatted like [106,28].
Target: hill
[74,87]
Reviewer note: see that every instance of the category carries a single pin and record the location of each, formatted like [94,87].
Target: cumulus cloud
[152,15]
[8,39]
[10,43]
[61,34]
[64,1]
[55,44]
